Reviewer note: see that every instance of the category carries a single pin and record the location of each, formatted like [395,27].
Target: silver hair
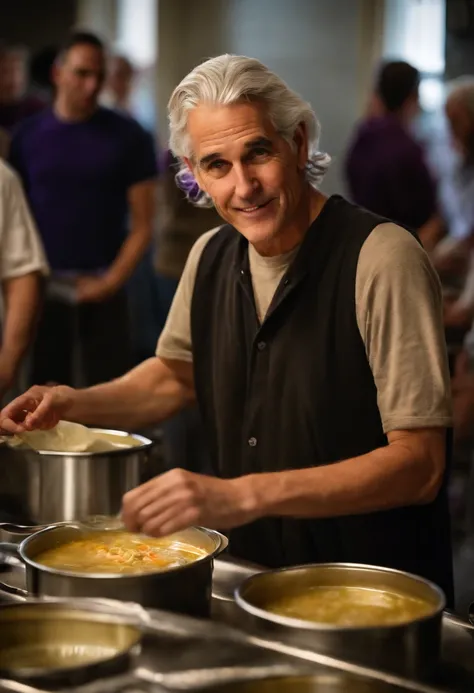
[462,89]
[225,80]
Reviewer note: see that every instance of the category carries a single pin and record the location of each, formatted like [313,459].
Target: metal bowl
[410,649]
[57,644]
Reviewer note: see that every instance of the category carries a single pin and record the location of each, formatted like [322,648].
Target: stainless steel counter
[181,653]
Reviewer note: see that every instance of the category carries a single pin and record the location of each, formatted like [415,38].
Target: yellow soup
[350,606]
[119,552]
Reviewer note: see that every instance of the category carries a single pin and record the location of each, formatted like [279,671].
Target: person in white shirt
[22,265]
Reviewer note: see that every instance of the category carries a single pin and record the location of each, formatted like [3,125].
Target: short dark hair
[80,38]
[396,82]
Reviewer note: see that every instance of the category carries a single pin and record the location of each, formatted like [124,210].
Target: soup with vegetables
[119,552]
[350,606]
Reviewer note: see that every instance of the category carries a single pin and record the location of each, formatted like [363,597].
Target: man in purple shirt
[89,174]
[385,167]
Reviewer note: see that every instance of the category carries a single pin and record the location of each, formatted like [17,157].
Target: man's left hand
[94,289]
[178,499]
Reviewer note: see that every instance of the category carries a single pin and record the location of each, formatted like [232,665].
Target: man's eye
[217,164]
[259,153]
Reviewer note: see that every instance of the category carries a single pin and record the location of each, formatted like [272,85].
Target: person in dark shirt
[89,174]
[385,167]
[15,103]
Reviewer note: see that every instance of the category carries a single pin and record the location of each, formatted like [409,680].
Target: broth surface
[119,552]
[350,606]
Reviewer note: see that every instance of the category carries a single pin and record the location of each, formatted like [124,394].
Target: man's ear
[300,138]
[194,170]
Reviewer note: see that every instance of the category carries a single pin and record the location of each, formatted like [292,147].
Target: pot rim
[315,626]
[146,443]
[220,540]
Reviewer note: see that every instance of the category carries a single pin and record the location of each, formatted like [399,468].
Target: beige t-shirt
[21,250]
[399,315]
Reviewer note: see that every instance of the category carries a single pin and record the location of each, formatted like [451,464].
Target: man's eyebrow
[209,157]
[257,142]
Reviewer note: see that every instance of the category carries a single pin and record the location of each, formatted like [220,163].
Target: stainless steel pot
[46,487]
[56,644]
[411,649]
[186,589]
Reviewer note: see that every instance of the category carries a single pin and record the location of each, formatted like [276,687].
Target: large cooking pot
[56,644]
[44,487]
[186,589]
[410,649]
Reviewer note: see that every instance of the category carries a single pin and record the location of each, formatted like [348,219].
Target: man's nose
[246,184]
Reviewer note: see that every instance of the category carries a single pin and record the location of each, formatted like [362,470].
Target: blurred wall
[459,38]
[36,23]
[99,16]
[324,49]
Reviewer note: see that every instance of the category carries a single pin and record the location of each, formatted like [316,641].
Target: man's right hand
[38,408]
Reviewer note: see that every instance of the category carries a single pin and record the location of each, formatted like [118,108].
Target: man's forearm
[148,394]
[21,296]
[392,476]
[129,256]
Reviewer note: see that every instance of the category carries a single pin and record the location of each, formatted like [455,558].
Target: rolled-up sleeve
[399,314]
[21,250]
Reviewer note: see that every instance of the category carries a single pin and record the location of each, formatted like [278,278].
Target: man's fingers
[42,415]
[172,520]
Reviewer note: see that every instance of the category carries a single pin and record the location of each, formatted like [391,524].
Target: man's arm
[408,471]
[21,299]
[148,394]
[22,262]
[141,197]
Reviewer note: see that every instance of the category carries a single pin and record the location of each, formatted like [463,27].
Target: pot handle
[224,543]
[11,550]
[23,530]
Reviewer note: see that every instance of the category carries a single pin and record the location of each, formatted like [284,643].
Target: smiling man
[310,332]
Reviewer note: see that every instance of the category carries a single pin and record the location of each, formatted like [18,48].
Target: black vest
[297,391]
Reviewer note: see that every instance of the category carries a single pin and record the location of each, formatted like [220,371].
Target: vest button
[261,346]
[252,442]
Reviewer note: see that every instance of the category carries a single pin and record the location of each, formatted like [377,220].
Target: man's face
[12,76]
[253,175]
[120,77]
[79,78]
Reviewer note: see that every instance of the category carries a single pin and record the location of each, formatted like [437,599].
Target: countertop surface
[180,653]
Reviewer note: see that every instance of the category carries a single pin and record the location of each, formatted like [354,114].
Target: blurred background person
[41,73]
[143,289]
[119,84]
[455,171]
[90,176]
[22,266]
[385,167]
[16,103]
